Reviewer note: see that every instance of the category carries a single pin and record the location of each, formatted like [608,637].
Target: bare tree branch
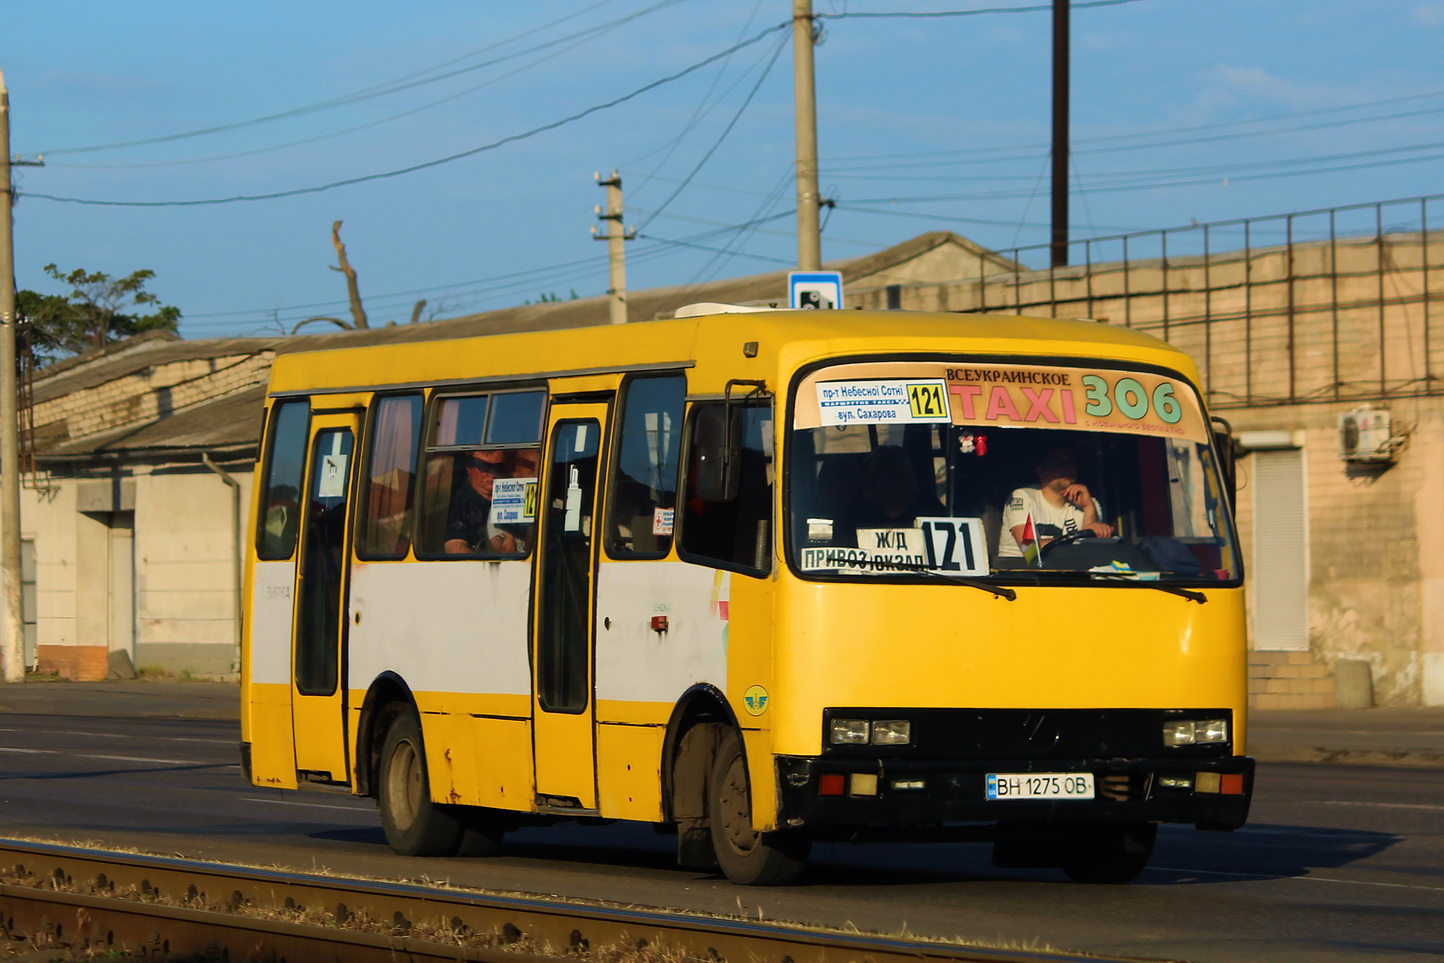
[357,311]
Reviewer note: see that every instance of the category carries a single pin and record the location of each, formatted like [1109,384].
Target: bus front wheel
[414,825]
[745,855]
[1104,853]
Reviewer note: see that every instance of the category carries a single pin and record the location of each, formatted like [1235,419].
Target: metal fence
[1336,304]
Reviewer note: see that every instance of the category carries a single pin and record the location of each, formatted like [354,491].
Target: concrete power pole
[809,200]
[1058,244]
[616,237]
[14,620]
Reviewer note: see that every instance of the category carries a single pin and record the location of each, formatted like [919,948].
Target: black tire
[747,857]
[1104,853]
[414,825]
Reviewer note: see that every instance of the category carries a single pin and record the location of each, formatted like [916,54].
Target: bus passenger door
[318,697]
[563,711]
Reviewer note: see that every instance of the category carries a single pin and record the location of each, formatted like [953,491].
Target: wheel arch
[686,762]
[387,689]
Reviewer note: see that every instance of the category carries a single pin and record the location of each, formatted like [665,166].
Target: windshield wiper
[1002,591]
[1189,594]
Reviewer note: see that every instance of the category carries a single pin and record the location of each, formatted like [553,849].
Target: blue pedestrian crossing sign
[814,289]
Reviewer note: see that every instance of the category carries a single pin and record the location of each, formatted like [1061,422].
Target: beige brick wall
[146,395]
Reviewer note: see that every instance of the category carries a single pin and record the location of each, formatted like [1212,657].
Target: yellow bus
[759,578]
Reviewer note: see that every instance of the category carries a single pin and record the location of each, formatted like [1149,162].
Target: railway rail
[153,906]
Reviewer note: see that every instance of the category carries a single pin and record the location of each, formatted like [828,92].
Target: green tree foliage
[99,310]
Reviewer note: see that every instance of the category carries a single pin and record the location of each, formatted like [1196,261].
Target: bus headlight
[850,732]
[1190,732]
[892,732]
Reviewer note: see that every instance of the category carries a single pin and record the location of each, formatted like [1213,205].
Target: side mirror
[717,451]
[1223,446]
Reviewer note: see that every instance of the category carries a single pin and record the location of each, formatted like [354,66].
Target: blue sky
[1183,111]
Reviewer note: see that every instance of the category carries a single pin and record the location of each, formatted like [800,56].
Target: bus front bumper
[820,793]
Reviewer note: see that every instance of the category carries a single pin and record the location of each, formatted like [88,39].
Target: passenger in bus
[1059,504]
[511,538]
[838,494]
[891,495]
[469,514]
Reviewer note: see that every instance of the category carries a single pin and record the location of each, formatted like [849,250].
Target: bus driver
[1059,504]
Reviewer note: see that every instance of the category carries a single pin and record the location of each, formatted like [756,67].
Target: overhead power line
[926,14]
[391,87]
[341,132]
[766,70]
[1116,187]
[531,277]
[513,138]
[1167,131]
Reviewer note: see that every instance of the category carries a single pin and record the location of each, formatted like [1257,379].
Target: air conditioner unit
[1366,434]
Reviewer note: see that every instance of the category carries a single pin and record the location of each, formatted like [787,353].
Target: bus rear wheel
[1104,853]
[746,856]
[414,825]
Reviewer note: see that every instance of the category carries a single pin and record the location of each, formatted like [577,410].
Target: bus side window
[644,480]
[390,478]
[736,533]
[285,463]
[480,474]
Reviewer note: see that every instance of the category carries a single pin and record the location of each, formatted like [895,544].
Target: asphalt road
[1338,862]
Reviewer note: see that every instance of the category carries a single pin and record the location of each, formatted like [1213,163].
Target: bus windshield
[972,470]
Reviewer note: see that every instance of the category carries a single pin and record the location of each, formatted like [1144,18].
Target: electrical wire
[530,277]
[369,124]
[347,182]
[702,109]
[766,71]
[1116,188]
[1222,169]
[1194,128]
[405,83]
[923,15]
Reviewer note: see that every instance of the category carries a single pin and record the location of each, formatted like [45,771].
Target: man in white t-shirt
[1059,504]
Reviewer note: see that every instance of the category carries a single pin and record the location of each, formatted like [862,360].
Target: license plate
[1040,785]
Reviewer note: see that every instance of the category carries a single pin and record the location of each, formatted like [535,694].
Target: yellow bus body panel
[475,755]
[1053,647]
[267,712]
[629,771]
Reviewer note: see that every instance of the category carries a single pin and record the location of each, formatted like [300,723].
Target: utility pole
[616,237]
[14,619]
[809,199]
[1059,246]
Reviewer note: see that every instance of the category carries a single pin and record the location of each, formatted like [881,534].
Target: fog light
[908,784]
[862,784]
[1175,782]
[892,732]
[850,732]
